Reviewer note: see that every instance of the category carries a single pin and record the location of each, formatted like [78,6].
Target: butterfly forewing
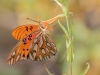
[22,49]
[22,31]
[42,47]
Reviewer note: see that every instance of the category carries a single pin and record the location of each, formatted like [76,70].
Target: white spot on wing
[17,58]
[53,52]
[13,53]
[47,49]
[48,44]
[30,56]
[22,57]
[47,57]
[53,44]
[55,48]
[34,54]
[35,47]
[40,57]
[43,51]
[11,61]
[41,41]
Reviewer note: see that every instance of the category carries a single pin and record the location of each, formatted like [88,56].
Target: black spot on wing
[26,28]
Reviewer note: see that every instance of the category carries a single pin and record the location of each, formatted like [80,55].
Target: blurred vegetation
[86,34]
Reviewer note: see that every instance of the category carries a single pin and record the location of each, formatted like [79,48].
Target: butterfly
[34,42]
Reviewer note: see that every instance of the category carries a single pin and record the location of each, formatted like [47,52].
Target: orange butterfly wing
[22,49]
[20,32]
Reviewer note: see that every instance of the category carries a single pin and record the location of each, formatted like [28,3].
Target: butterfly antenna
[31,20]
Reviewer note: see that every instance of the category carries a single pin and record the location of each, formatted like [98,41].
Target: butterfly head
[43,27]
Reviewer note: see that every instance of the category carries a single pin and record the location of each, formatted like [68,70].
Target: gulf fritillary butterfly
[34,42]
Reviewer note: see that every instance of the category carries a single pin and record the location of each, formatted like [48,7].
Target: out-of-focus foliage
[86,21]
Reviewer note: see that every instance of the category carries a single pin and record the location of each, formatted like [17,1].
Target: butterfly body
[34,43]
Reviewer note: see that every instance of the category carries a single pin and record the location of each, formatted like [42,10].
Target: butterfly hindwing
[43,47]
[14,55]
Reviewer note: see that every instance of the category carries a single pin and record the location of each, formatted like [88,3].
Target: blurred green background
[86,34]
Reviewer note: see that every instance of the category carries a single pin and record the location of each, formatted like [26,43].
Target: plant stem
[67,23]
[70,65]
